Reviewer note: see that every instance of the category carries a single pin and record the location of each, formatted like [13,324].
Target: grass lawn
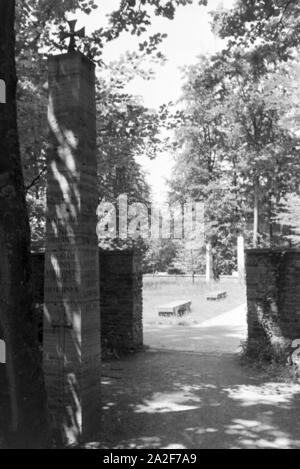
[160,290]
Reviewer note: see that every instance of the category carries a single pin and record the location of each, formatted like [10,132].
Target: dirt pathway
[196,399]
[221,334]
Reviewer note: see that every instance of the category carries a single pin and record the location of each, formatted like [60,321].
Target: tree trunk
[256,213]
[26,423]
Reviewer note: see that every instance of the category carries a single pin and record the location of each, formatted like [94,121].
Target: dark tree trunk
[25,422]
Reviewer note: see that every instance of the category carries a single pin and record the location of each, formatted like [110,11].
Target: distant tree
[160,255]
[190,258]
[234,152]
[265,31]
[290,217]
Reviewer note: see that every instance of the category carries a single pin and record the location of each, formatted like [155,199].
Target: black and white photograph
[149,227]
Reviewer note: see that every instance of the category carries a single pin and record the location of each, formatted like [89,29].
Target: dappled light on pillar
[71,297]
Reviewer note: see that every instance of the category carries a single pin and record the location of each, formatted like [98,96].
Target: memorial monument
[209,275]
[71,332]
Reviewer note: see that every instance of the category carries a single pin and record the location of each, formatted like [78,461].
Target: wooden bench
[216,295]
[176,308]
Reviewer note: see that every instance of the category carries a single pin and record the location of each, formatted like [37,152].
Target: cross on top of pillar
[72,35]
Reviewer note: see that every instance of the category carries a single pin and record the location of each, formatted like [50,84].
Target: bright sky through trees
[189,35]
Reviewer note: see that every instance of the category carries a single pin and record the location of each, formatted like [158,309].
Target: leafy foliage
[124,126]
[236,141]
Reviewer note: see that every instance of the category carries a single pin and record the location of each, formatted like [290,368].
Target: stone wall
[273,296]
[121,301]
[121,298]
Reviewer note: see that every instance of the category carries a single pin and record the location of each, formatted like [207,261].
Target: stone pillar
[241,258]
[273,298]
[71,332]
[121,281]
[209,264]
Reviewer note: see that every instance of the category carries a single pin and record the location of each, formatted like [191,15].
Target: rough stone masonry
[121,287]
[121,298]
[71,335]
[273,297]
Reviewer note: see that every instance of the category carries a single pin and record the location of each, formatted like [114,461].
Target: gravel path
[189,391]
[221,334]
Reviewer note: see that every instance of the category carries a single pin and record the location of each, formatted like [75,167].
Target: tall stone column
[209,264]
[71,354]
[241,258]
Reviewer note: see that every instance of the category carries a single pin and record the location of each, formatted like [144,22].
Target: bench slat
[217,295]
[175,309]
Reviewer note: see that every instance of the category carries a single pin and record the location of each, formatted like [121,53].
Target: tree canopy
[236,139]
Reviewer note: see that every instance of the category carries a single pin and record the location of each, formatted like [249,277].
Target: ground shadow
[189,400]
